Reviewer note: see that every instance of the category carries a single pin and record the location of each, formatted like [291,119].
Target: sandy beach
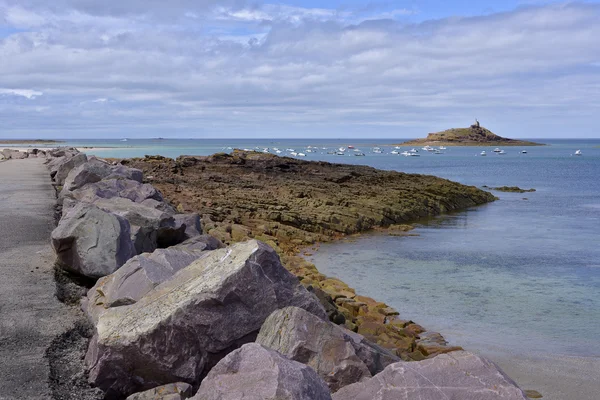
[556,377]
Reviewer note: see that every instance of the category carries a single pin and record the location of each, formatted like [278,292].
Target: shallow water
[520,275]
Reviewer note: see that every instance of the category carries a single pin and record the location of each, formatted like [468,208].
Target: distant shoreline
[28,141]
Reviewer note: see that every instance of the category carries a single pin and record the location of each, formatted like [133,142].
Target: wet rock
[193,319]
[460,375]
[91,242]
[330,307]
[254,372]
[172,391]
[303,337]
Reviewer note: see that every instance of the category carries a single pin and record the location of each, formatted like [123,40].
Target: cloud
[214,68]
[29,94]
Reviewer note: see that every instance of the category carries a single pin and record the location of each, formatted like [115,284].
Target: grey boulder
[256,373]
[455,376]
[172,391]
[141,274]
[92,242]
[193,226]
[303,337]
[95,170]
[68,163]
[111,188]
[150,228]
[192,320]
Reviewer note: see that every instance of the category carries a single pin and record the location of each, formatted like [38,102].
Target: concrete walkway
[30,315]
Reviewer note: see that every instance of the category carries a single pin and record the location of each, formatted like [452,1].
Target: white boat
[414,155]
[428,148]
[438,152]
[301,155]
[290,150]
[578,153]
[340,153]
[406,153]
[483,153]
[442,148]
[413,150]
[377,150]
[497,150]
[294,153]
[359,154]
[395,152]
[523,151]
[278,151]
[501,152]
[342,149]
[397,147]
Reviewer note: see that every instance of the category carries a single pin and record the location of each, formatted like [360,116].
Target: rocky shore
[174,313]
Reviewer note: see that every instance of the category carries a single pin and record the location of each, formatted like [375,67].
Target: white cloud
[30,94]
[276,68]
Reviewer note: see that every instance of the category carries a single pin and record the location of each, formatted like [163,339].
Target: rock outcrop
[213,305]
[254,372]
[92,242]
[302,337]
[457,376]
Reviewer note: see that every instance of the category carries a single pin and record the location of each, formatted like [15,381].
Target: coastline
[311,206]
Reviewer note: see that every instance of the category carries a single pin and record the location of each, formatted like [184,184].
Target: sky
[314,69]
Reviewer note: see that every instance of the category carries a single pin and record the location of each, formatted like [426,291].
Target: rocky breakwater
[291,204]
[190,317]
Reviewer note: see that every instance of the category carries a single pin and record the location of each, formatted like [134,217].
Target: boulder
[254,372]
[159,205]
[192,320]
[193,226]
[457,376]
[375,357]
[172,391]
[95,170]
[111,188]
[14,154]
[141,274]
[91,242]
[150,228]
[303,337]
[63,168]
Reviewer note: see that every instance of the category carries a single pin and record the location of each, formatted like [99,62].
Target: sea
[521,274]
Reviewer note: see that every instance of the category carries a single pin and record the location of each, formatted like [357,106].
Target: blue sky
[342,68]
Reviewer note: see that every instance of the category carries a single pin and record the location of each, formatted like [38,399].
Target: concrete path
[30,315]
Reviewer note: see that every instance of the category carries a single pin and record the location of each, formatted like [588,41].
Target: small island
[475,135]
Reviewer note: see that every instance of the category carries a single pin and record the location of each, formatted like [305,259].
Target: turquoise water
[522,273]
